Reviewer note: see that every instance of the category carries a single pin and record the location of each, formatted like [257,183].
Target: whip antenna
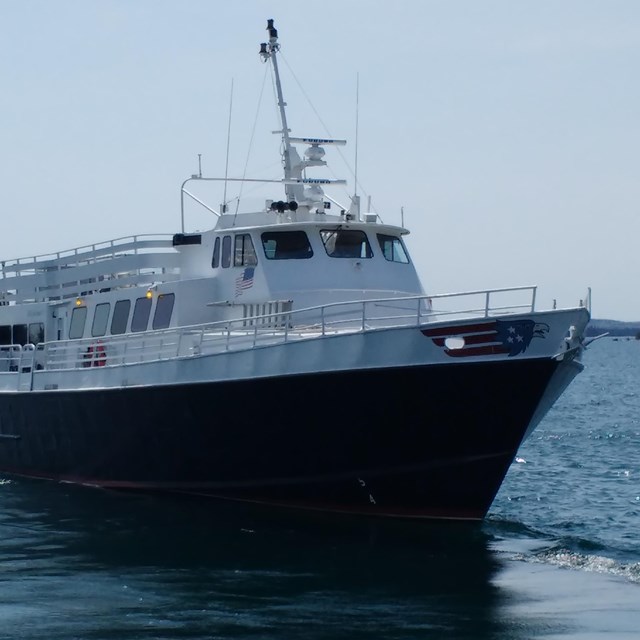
[226,166]
[355,188]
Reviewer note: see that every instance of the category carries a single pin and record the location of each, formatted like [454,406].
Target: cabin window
[141,311]
[78,319]
[20,334]
[393,249]
[5,334]
[286,245]
[36,332]
[164,308]
[226,252]
[100,319]
[215,260]
[244,254]
[346,243]
[120,317]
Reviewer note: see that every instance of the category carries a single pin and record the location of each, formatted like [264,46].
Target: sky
[507,130]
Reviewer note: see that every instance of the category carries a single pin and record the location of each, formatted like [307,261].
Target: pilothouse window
[226,251]
[286,245]
[346,243]
[215,259]
[244,254]
[393,248]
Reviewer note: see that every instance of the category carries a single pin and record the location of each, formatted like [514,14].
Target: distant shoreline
[613,328]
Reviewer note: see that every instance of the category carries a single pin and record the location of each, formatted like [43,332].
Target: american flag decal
[496,337]
[245,280]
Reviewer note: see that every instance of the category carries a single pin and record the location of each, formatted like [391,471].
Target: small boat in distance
[289,356]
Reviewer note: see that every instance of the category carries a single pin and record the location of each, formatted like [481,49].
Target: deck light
[149,294]
[78,302]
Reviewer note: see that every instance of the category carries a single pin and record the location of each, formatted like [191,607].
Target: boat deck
[262,330]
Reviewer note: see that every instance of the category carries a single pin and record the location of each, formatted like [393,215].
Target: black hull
[424,441]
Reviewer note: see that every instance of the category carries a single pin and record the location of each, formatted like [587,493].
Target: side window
[20,334]
[100,319]
[36,332]
[141,311]
[120,317]
[215,260]
[286,245]
[78,319]
[346,243]
[393,248]
[244,254]
[164,308]
[5,334]
[226,252]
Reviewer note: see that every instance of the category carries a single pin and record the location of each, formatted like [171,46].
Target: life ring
[99,356]
[94,356]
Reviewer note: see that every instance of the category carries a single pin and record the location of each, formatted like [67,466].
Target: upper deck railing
[127,261]
[264,330]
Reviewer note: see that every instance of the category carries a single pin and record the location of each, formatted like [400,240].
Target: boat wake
[563,557]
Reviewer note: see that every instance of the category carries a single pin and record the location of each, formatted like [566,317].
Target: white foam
[598,564]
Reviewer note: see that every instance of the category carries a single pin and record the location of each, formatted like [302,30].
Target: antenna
[290,157]
[226,165]
[355,187]
[199,165]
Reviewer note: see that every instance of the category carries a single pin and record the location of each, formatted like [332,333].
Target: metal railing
[236,335]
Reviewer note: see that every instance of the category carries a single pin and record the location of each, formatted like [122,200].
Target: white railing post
[322,319]
[364,314]
[486,304]
[533,300]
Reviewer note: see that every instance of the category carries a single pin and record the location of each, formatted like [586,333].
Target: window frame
[97,334]
[225,260]
[161,297]
[381,237]
[284,256]
[80,313]
[32,328]
[215,257]
[117,316]
[245,254]
[335,232]
[141,309]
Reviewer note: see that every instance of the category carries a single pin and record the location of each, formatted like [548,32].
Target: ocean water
[558,556]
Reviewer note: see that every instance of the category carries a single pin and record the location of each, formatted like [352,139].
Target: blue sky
[508,130]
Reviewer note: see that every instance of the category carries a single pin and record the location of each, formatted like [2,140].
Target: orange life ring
[99,356]
[87,356]
[95,356]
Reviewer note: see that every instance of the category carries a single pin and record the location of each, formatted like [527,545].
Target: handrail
[279,327]
[86,250]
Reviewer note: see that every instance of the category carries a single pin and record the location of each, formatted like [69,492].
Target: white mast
[291,159]
[300,191]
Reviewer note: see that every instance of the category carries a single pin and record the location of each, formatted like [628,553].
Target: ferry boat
[289,357]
